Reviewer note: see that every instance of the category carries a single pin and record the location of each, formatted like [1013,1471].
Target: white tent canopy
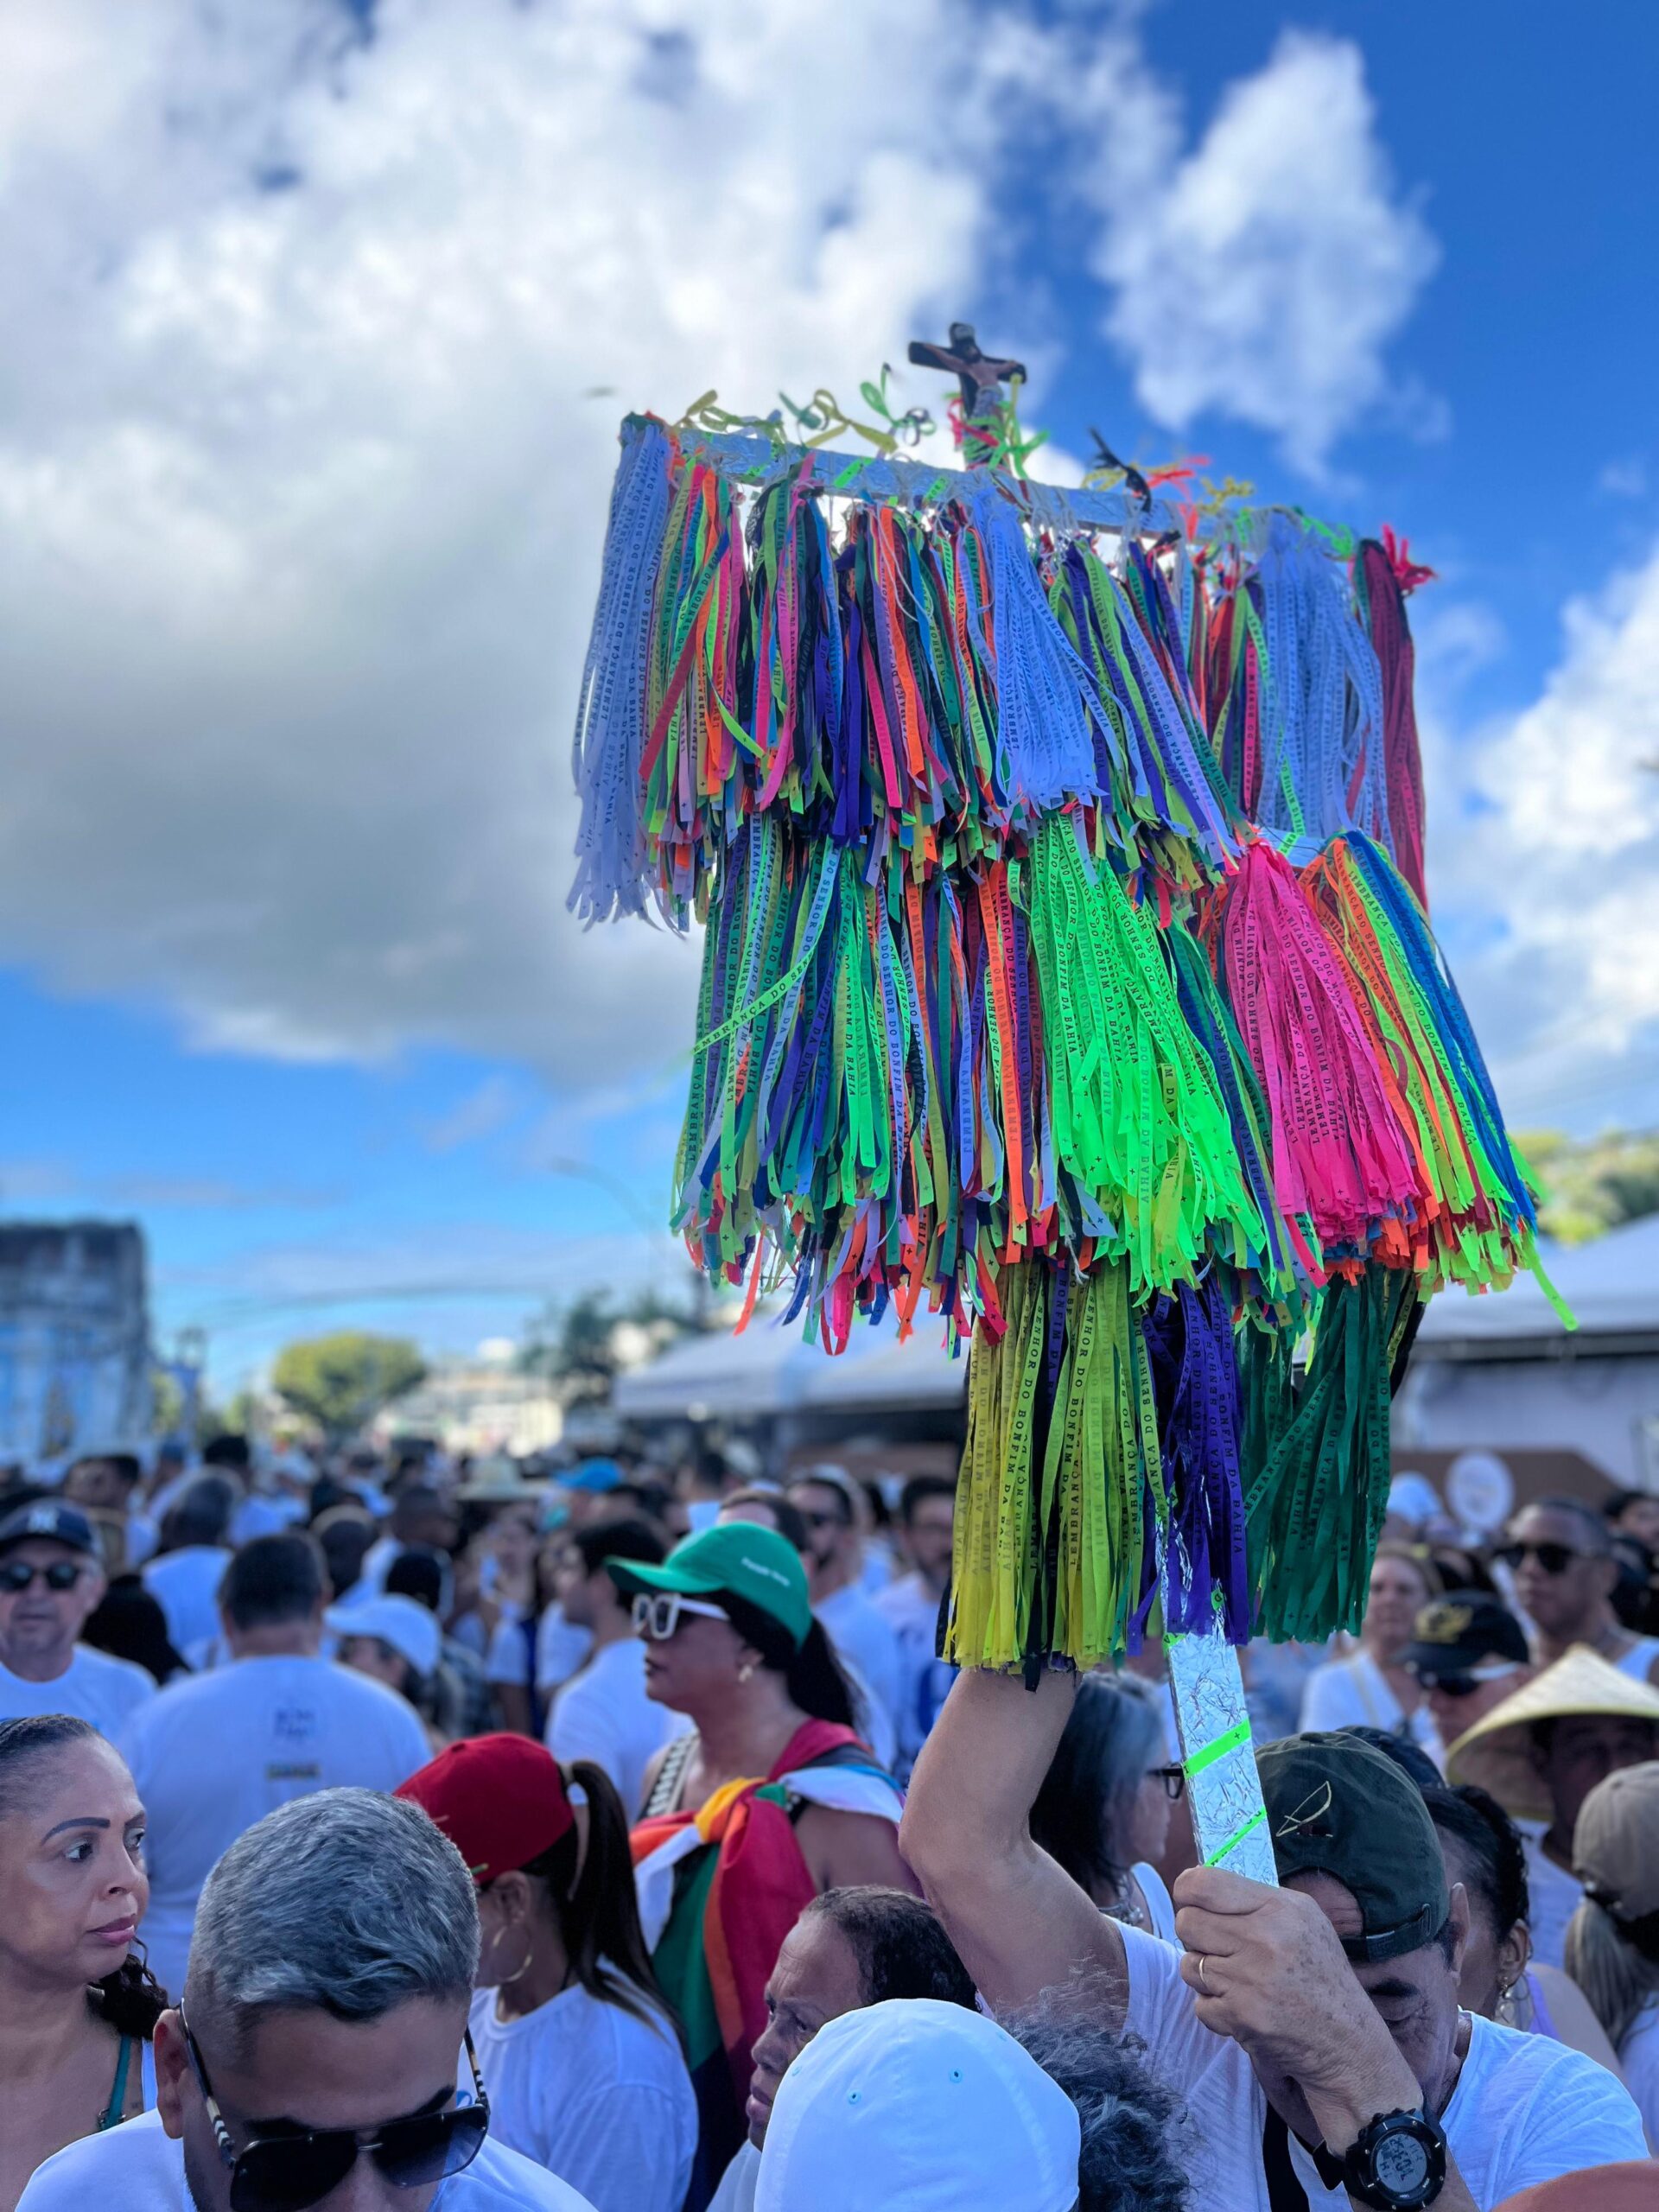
[770,1369]
[1611,1284]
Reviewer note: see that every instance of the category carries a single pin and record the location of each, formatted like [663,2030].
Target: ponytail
[132,2001]
[598,1910]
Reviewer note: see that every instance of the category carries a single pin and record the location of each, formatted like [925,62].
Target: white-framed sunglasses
[657,1613]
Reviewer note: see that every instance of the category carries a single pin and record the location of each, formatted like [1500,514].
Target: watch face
[1401,2164]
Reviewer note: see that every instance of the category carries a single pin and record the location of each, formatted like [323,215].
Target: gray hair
[1137,2138]
[1619,1980]
[344,1902]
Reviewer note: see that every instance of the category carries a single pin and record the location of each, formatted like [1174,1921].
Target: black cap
[1462,1631]
[1337,1806]
[50,1523]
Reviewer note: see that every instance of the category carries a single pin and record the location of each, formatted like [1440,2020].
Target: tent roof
[1611,1284]
[770,1369]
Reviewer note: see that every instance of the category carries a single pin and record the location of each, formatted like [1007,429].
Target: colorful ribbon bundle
[1065,970]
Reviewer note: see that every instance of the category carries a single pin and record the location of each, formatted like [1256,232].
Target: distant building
[480,1404]
[74,1338]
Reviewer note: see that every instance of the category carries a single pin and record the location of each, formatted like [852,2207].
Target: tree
[584,1345]
[1592,1185]
[341,1381]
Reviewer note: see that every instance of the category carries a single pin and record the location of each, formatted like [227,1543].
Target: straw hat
[1496,1752]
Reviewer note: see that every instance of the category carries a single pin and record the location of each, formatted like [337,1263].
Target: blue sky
[301,487]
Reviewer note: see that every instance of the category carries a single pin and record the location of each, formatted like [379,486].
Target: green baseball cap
[734,1559]
[1335,1806]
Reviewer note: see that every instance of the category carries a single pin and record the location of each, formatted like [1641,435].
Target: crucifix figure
[980,377]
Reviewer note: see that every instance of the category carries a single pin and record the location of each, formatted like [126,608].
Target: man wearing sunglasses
[1468,1651]
[313,2059]
[51,1578]
[1561,1552]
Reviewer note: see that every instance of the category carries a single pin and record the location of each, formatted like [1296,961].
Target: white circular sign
[1480,1490]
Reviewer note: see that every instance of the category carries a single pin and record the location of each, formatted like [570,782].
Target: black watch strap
[1371,2169]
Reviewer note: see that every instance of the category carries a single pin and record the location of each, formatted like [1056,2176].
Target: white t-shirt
[1525,2107]
[1554,1896]
[185,1585]
[603,1713]
[911,1611]
[594,2094]
[560,1650]
[266,1513]
[1161,1906]
[865,1644]
[212,1755]
[92,1687]
[736,2190]
[138,2168]
[1638,2057]
[142,1536]
[1355,1694]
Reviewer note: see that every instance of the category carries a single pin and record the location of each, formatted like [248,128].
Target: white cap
[409,1628]
[915,2106]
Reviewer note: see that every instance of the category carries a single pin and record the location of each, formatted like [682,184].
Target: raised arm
[1020,1923]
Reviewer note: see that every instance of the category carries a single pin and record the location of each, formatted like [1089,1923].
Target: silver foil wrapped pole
[1229,1822]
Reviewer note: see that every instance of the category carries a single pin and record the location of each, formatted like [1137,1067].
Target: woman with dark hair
[1104,1806]
[77,2008]
[579,2054]
[1483,1850]
[770,1799]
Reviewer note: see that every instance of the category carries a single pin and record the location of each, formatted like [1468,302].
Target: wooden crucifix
[980,377]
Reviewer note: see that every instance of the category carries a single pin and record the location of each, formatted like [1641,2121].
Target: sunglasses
[16,1575]
[657,1613]
[1554,1559]
[285,2173]
[1462,1681]
[1173,1779]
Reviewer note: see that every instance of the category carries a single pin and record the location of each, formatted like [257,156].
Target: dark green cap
[735,1559]
[1337,1806]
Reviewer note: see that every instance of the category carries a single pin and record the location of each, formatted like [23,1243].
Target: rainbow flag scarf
[719,1890]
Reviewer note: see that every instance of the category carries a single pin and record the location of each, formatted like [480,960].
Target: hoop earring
[507,1980]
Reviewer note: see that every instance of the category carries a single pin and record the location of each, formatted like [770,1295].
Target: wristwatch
[1397,2164]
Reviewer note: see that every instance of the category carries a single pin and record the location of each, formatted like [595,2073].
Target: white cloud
[487,1108]
[300,500]
[1261,273]
[1555,863]
[1625,479]
[302,485]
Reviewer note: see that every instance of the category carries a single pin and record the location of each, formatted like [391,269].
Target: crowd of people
[395,1831]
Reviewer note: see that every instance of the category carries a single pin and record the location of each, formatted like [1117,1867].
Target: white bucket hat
[915,2106]
[409,1628]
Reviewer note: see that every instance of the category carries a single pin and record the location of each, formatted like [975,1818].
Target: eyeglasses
[1461,1685]
[1554,1559]
[824,1520]
[16,1575]
[657,1613]
[285,2173]
[1173,1779]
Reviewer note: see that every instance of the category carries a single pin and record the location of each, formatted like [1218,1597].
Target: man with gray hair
[314,2057]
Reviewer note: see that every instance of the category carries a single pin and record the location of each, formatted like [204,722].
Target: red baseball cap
[499,1799]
